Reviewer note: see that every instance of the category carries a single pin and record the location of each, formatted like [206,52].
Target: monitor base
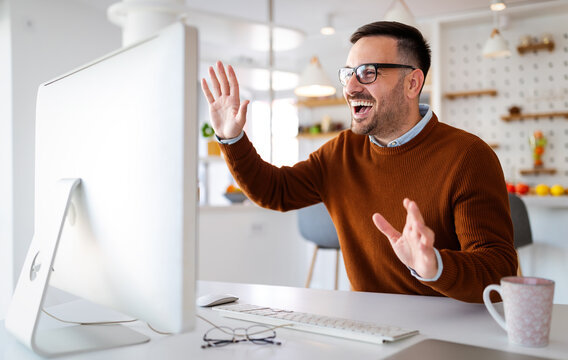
[84,338]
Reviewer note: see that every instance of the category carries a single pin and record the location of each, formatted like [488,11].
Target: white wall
[6,259]
[47,38]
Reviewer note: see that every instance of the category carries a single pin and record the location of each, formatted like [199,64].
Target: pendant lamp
[399,11]
[314,82]
[496,46]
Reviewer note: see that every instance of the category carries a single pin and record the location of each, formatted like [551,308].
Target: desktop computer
[116,196]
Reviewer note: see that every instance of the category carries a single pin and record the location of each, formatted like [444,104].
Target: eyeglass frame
[210,343]
[376,66]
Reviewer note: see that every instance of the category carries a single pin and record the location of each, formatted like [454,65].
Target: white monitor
[116,192]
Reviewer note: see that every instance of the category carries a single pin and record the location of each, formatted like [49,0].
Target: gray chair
[521,225]
[316,226]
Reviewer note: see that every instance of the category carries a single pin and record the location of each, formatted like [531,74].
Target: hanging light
[496,46]
[328,29]
[314,82]
[497,5]
[399,11]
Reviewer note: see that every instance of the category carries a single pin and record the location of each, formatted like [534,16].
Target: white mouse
[215,299]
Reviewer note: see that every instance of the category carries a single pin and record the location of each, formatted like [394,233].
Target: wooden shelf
[538,171]
[493,145]
[455,95]
[322,102]
[534,116]
[329,134]
[535,47]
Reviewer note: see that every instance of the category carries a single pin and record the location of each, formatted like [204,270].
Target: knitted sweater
[454,177]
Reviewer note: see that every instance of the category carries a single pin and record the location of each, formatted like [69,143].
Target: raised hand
[415,246]
[228,115]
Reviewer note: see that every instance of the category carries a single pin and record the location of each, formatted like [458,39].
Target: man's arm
[276,188]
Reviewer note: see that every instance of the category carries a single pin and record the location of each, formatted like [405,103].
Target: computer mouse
[215,299]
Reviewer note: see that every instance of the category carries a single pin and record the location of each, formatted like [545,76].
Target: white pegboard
[535,81]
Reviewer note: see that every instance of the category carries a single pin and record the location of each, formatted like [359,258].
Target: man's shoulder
[457,137]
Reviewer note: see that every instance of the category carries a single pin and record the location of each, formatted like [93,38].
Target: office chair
[316,226]
[521,225]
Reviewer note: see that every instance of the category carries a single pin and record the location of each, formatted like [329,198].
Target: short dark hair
[412,46]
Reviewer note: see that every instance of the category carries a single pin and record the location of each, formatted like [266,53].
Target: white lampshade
[496,46]
[399,11]
[314,82]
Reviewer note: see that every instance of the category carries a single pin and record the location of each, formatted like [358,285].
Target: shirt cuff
[230,141]
[438,274]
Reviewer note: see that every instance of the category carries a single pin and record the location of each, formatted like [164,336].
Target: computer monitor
[116,193]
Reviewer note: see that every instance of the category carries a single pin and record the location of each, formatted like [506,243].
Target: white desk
[439,318]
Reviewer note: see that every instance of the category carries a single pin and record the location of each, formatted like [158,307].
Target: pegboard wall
[536,81]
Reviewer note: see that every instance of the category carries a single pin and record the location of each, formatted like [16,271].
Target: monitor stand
[24,312]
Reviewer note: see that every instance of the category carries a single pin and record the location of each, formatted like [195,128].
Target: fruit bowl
[235,197]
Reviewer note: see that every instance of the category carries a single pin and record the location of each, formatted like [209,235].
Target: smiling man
[420,207]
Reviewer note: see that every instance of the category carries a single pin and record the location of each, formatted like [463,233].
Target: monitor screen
[126,126]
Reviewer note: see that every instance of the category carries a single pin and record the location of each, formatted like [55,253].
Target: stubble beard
[389,115]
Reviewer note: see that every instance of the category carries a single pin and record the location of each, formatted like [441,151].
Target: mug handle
[489,305]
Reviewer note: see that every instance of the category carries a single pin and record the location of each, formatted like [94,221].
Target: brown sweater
[454,177]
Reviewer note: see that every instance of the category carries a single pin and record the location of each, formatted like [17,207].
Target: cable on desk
[103,322]
[150,326]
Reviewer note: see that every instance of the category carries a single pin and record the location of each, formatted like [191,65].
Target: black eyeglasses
[223,335]
[367,73]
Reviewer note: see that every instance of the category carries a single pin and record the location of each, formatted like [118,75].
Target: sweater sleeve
[277,188]
[483,226]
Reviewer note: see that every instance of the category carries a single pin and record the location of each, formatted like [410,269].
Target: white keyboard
[326,325]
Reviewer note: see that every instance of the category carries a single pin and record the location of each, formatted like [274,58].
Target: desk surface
[438,318]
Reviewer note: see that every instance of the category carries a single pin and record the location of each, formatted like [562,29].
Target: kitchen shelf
[535,47]
[329,134]
[538,171]
[534,116]
[455,95]
[322,102]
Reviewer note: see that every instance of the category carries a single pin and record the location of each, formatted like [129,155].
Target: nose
[353,86]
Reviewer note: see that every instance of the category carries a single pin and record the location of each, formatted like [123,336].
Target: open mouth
[361,107]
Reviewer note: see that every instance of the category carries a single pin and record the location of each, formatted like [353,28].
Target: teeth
[361,103]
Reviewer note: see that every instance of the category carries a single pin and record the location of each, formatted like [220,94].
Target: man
[456,233]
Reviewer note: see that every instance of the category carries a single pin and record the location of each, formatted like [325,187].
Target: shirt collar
[426,113]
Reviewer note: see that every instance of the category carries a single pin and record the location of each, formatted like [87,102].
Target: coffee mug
[527,303]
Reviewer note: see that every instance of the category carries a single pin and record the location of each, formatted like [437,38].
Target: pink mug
[527,303]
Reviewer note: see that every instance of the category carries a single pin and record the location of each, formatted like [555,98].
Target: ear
[414,83]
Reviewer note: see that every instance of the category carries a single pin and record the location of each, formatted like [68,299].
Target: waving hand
[228,115]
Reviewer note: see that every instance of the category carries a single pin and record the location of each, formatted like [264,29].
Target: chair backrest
[316,226]
[521,224]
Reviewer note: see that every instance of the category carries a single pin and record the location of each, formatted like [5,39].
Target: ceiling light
[328,29]
[314,82]
[497,5]
[399,11]
[496,46]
